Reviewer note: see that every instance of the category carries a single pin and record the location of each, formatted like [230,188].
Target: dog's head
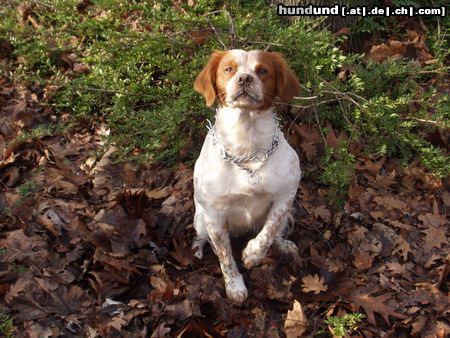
[248,80]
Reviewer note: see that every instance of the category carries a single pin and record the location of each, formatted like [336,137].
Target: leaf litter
[94,248]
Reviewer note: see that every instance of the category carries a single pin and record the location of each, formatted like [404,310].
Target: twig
[421,120]
[264,43]
[233,35]
[318,125]
[305,107]
[306,97]
[305,88]
[109,91]
[214,28]
[93,89]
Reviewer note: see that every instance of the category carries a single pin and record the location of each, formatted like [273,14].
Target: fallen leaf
[402,246]
[322,212]
[375,304]
[313,284]
[163,288]
[310,149]
[161,331]
[296,322]
[390,202]
[181,310]
[333,140]
[183,253]
[435,237]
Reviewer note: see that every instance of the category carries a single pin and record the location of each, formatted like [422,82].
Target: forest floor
[94,248]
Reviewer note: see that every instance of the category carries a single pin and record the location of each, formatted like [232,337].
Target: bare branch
[233,36]
[215,30]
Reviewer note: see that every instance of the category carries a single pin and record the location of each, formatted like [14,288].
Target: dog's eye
[262,71]
[229,69]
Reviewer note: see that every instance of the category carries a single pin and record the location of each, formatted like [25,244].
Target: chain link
[259,155]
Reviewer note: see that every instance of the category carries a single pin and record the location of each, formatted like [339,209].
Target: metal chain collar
[258,156]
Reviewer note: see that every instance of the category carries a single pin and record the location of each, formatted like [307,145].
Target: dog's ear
[205,83]
[288,85]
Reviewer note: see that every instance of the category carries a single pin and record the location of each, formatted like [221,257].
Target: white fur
[246,62]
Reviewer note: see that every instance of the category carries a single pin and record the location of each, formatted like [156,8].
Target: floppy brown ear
[288,85]
[205,83]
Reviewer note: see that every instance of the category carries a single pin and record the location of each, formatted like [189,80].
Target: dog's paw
[236,290]
[252,254]
[285,247]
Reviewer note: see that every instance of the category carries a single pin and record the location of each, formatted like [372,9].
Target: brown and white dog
[247,175]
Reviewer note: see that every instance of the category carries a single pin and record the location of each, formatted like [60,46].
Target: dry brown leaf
[396,268]
[159,193]
[362,260]
[163,288]
[446,198]
[332,139]
[402,246]
[307,133]
[432,219]
[435,237]
[322,212]
[386,180]
[200,36]
[183,253]
[310,149]
[314,284]
[162,330]
[390,202]
[180,310]
[371,166]
[296,322]
[379,53]
[375,304]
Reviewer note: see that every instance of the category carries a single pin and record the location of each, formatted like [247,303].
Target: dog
[246,176]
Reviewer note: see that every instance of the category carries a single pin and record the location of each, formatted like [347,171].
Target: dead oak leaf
[402,246]
[397,268]
[183,253]
[435,237]
[333,140]
[163,288]
[390,202]
[307,133]
[371,166]
[42,298]
[375,304]
[296,322]
[386,181]
[362,260]
[323,212]
[432,219]
[313,284]
[309,149]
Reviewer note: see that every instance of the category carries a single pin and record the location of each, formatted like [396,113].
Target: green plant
[338,164]
[28,188]
[141,62]
[348,323]
[6,325]
[19,268]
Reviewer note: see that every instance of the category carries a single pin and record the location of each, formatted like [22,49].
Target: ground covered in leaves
[90,247]
[94,248]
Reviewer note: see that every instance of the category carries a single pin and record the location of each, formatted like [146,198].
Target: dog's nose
[244,79]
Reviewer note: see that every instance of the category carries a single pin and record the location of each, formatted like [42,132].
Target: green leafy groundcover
[131,65]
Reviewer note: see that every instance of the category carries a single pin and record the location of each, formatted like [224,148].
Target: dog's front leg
[257,248]
[234,283]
